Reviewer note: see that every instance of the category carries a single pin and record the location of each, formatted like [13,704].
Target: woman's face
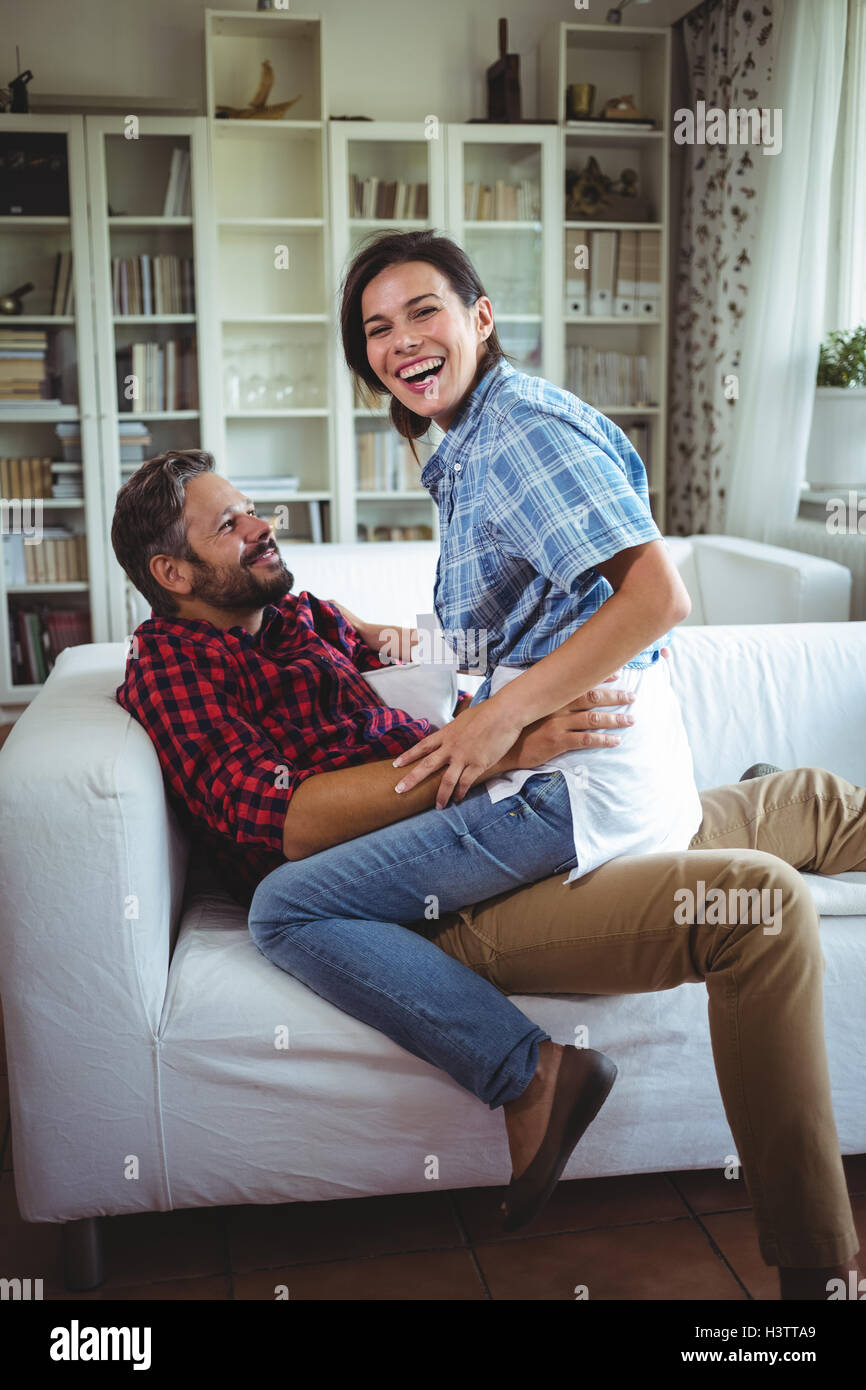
[410,315]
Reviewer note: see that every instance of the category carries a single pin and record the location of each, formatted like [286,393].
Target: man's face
[237,568]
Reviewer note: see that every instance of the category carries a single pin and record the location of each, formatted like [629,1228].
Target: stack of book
[164,376]
[613,274]
[25,477]
[394,533]
[178,201]
[149,284]
[38,636]
[374,197]
[59,557]
[133,441]
[501,201]
[63,291]
[605,379]
[22,364]
[385,463]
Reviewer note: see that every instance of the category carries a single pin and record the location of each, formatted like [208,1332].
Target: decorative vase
[837,441]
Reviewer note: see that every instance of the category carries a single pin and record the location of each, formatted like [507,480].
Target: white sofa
[140,1018]
[729,580]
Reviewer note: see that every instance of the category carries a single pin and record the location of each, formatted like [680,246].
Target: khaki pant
[614,932]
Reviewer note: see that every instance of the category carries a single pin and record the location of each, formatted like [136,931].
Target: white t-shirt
[638,797]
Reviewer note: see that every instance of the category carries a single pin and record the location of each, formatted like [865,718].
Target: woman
[568,507]
[544,511]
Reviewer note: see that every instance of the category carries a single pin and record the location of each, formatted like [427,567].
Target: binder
[602,264]
[625,300]
[576,278]
[650,286]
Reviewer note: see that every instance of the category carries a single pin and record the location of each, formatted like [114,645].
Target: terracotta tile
[308,1232]
[673,1261]
[577,1205]
[158,1245]
[855,1172]
[707,1189]
[427,1276]
[139,1249]
[31,1249]
[214,1289]
[736,1237]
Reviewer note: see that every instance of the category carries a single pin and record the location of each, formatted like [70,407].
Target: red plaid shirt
[239,721]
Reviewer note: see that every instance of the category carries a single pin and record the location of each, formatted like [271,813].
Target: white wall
[387,59]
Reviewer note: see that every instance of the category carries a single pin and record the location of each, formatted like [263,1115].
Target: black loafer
[580,1092]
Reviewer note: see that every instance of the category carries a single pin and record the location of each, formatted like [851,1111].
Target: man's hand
[477,745]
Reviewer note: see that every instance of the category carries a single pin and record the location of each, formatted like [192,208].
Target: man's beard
[240,589]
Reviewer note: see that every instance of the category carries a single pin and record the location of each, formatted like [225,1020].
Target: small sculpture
[11,303]
[258,110]
[621,109]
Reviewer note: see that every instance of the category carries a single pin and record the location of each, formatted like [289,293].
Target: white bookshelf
[29,245]
[617,61]
[270,250]
[517,258]
[389,151]
[129,180]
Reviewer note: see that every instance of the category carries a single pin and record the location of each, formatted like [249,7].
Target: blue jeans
[349,922]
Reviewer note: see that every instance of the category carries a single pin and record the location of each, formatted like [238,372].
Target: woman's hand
[464,745]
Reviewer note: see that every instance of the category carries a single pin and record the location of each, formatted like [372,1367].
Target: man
[273,748]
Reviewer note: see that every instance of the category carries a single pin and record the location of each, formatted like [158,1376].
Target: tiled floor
[660,1236]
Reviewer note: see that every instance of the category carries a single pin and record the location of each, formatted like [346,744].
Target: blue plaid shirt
[534,489]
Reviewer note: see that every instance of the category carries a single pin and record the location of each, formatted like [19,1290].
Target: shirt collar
[271,626]
[465,421]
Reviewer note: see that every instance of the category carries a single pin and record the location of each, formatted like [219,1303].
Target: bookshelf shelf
[56,319]
[404,224]
[138,223]
[627,268]
[68,587]
[313,413]
[154,318]
[268,184]
[258,223]
[612,321]
[9,223]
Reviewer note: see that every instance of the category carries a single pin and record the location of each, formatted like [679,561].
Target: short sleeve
[224,770]
[560,501]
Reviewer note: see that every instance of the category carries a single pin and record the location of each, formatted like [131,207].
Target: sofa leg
[82,1254]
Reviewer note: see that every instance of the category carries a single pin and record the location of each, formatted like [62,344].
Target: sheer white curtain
[786,305]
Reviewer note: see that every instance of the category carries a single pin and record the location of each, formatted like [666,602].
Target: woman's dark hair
[149,520]
[393,248]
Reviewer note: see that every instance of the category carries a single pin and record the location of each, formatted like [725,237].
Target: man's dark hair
[149,520]
[393,248]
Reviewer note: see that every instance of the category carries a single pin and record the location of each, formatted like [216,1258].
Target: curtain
[726,48]
[786,311]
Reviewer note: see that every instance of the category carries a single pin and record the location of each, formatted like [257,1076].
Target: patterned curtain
[727,47]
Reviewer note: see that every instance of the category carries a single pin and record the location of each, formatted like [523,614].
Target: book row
[385,462]
[374,197]
[605,379]
[157,376]
[37,637]
[501,201]
[58,558]
[613,274]
[149,284]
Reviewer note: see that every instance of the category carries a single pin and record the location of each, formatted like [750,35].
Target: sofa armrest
[92,872]
[743,581]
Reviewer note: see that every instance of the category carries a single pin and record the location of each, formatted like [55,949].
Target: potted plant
[837,443]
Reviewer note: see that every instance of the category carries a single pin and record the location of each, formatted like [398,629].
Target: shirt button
[457,467]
